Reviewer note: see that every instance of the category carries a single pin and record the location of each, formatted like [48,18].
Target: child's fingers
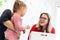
[27,27]
[23,31]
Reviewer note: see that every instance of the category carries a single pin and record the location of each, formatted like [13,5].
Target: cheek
[46,22]
[24,11]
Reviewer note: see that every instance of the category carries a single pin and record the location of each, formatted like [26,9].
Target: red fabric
[35,29]
[53,30]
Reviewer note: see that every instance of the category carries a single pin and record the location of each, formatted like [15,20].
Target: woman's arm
[9,25]
[5,19]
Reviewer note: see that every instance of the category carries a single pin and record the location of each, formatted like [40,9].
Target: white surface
[42,36]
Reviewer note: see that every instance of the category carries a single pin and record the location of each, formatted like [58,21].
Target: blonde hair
[18,4]
[48,24]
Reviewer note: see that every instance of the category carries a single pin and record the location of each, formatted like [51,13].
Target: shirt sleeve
[6,15]
[53,30]
[17,23]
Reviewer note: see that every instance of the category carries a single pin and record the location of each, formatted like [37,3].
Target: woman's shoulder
[6,12]
[53,30]
[33,27]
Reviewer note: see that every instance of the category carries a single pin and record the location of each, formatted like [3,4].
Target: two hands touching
[26,27]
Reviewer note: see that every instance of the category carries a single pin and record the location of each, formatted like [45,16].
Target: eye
[43,18]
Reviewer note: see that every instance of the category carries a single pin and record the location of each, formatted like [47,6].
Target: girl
[19,10]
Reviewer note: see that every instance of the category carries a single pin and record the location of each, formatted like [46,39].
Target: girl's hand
[23,31]
[27,27]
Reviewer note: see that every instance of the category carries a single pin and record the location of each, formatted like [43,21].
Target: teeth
[42,22]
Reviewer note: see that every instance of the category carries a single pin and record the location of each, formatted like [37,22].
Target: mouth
[42,22]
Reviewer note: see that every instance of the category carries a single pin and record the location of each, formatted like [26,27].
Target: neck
[44,27]
[19,13]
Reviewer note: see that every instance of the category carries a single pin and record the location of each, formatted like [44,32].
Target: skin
[21,11]
[43,21]
[9,25]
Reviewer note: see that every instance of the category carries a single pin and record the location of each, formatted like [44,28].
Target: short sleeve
[6,15]
[53,30]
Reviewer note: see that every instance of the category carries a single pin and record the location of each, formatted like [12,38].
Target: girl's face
[43,20]
[22,11]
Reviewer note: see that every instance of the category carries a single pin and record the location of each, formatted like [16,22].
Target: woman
[43,25]
[5,23]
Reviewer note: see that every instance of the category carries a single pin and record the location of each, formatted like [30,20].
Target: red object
[34,28]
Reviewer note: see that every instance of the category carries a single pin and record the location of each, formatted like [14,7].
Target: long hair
[48,27]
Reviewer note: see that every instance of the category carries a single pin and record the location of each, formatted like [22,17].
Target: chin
[22,15]
[41,24]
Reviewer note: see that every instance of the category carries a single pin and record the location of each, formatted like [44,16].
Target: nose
[41,19]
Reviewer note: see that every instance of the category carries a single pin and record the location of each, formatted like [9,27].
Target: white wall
[6,5]
[34,9]
[58,24]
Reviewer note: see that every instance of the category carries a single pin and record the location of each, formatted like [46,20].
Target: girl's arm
[17,23]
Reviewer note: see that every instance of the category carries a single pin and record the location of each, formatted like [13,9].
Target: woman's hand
[9,25]
[18,34]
